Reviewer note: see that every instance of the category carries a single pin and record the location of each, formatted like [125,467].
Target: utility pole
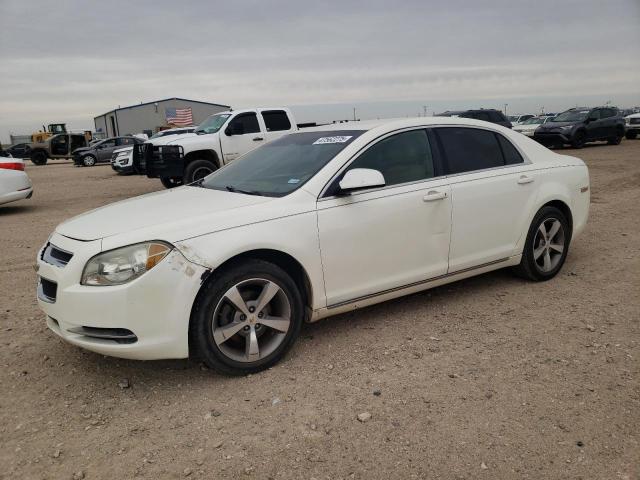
[354,114]
[424,110]
[505,109]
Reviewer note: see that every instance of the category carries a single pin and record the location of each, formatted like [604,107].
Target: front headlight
[123,264]
[566,128]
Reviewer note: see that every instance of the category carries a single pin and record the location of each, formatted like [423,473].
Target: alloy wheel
[251,320]
[548,244]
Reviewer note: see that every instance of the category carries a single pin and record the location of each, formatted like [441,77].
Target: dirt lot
[492,377]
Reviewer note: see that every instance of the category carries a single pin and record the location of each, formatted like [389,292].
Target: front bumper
[146,319]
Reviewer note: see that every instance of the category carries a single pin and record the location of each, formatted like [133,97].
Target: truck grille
[634,120]
[56,256]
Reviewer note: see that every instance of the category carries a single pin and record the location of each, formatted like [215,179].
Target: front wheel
[39,157]
[246,319]
[171,182]
[546,247]
[198,169]
[579,139]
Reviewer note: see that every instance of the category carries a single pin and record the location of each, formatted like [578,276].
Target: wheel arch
[210,155]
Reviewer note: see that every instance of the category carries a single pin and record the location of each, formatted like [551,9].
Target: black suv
[578,126]
[486,114]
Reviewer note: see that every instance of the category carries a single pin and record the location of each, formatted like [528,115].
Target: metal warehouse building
[149,117]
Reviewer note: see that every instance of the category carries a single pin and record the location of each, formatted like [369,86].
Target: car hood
[170,215]
[554,125]
[194,139]
[82,150]
[167,139]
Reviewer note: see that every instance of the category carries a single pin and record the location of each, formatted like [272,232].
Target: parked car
[14,181]
[578,126]
[485,114]
[519,119]
[219,140]
[122,160]
[19,150]
[58,146]
[528,127]
[313,224]
[632,125]
[102,151]
[172,131]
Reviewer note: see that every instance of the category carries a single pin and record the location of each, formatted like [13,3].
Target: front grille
[47,290]
[56,256]
[634,120]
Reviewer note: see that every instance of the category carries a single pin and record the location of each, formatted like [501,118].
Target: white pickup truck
[220,139]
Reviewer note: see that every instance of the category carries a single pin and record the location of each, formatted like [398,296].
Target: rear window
[470,149]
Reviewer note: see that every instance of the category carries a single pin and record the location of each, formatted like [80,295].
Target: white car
[14,181]
[528,127]
[122,160]
[310,225]
[632,126]
[518,119]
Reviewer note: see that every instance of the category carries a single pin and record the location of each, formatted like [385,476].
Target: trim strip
[415,284]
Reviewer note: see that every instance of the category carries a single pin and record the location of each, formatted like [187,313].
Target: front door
[390,237]
[105,150]
[491,187]
[241,135]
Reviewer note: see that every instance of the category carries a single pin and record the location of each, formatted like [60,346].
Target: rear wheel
[198,169]
[246,319]
[39,157]
[171,182]
[579,139]
[546,247]
[631,134]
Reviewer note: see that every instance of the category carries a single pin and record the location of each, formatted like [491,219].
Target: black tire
[39,157]
[201,339]
[579,139]
[528,267]
[198,169]
[631,134]
[89,161]
[617,139]
[171,182]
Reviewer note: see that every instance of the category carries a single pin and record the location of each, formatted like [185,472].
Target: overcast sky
[69,61]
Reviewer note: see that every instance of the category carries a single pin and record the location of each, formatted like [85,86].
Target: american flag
[179,116]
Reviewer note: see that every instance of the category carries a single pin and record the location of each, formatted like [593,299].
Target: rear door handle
[258,139]
[434,195]
[524,180]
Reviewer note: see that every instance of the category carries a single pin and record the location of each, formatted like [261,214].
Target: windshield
[571,116]
[282,166]
[532,121]
[213,123]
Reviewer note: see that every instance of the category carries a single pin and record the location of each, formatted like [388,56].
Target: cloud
[80,59]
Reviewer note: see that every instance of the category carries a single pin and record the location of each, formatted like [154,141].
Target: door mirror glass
[361,179]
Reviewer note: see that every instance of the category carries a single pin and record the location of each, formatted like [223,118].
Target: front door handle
[524,180]
[258,139]
[433,195]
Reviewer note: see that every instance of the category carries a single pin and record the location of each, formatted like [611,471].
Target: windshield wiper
[246,192]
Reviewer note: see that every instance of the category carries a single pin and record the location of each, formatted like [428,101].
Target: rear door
[595,127]
[276,124]
[241,135]
[492,188]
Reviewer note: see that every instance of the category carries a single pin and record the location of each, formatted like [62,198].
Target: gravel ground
[491,377]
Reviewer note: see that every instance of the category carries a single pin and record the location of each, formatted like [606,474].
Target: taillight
[12,165]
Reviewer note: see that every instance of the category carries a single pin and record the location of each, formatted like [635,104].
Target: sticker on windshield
[294,180]
[325,140]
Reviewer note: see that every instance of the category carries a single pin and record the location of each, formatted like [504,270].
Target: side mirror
[361,179]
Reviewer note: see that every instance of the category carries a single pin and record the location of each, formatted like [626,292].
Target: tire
[230,350]
[617,139]
[89,161]
[542,260]
[171,182]
[631,134]
[198,169]
[579,139]
[39,157]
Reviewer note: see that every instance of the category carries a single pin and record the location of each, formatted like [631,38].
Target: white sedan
[313,224]
[14,182]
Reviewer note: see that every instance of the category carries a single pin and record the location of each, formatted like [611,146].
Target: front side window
[405,157]
[243,124]
[282,166]
[276,120]
[470,149]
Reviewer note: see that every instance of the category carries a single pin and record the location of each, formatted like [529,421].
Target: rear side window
[402,158]
[276,120]
[511,155]
[469,149]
